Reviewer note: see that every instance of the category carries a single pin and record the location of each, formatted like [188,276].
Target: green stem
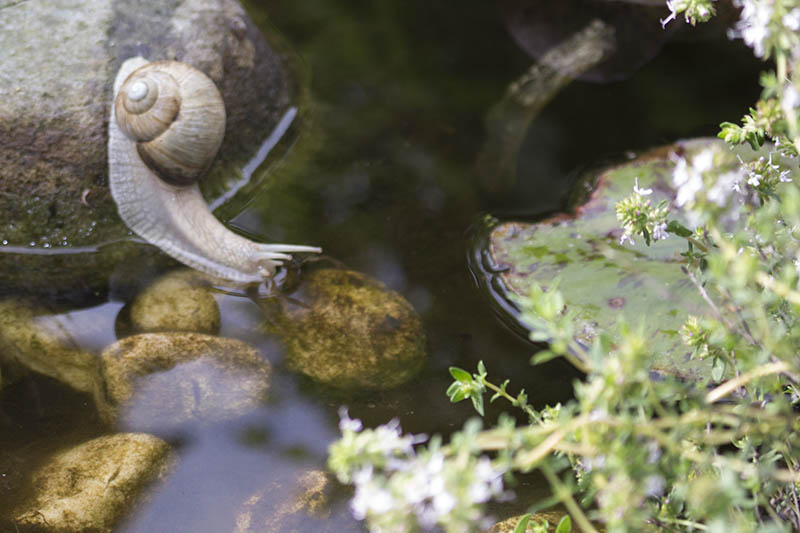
[530,411]
[565,496]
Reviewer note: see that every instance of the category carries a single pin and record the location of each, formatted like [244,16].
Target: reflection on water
[382,177]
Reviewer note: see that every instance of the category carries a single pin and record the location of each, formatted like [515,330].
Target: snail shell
[156,153]
[176,115]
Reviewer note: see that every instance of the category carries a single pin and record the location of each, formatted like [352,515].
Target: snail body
[167,123]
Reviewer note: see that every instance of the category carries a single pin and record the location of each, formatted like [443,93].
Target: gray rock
[156,382]
[91,486]
[179,301]
[58,63]
[351,331]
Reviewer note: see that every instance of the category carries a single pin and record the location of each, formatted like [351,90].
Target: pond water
[381,173]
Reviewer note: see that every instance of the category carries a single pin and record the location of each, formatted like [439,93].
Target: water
[383,177]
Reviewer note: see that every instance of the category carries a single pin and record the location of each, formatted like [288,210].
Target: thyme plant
[630,452]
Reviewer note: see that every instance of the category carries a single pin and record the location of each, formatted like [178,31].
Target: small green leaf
[718,369]
[456,392]
[477,403]
[522,525]
[481,368]
[460,374]
[565,525]
[678,229]
[522,399]
[543,356]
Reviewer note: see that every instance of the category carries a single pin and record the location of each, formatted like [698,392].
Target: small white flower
[443,502]
[791,98]
[704,161]
[660,231]
[369,497]
[754,179]
[689,179]
[625,237]
[753,25]
[723,187]
[348,424]
[792,19]
[637,190]
[673,11]
[654,485]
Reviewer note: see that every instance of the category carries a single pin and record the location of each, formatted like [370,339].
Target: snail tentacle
[176,218]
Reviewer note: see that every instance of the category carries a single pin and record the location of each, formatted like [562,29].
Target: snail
[167,122]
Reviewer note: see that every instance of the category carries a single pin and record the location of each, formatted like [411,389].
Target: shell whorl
[177,219]
[176,115]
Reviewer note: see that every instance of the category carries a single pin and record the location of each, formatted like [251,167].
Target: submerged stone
[179,301]
[551,517]
[350,331]
[156,382]
[307,507]
[603,281]
[32,339]
[91,486]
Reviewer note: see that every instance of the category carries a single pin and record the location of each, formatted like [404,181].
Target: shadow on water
[382,177]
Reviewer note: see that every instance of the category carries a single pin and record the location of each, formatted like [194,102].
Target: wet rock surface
[32,340]
[90,486]
[179,301]
[156,382]
[59,61]
[350,331]
[307,507]
[509,524]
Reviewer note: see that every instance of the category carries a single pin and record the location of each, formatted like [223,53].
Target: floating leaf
[602,282]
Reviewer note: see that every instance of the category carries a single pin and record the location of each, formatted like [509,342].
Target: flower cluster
[694,11]
[400,487]
[713,182]
[768,25]
[638,217]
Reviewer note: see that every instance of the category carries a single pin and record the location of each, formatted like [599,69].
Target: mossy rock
[551,518]
[90,487]
[305,506]
[181,300]
[347,330]
[604,282]
[157,382]
[31,339]
[58,223]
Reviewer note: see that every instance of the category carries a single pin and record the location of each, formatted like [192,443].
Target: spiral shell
[176,115]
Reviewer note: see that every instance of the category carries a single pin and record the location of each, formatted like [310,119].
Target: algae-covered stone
[602,281]
[91,486]
[551,518]
[351,331]
[157,381]
[179,301]
[34,340]
[58,62]
[307,507]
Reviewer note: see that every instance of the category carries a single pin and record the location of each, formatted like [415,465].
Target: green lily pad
[604,282]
